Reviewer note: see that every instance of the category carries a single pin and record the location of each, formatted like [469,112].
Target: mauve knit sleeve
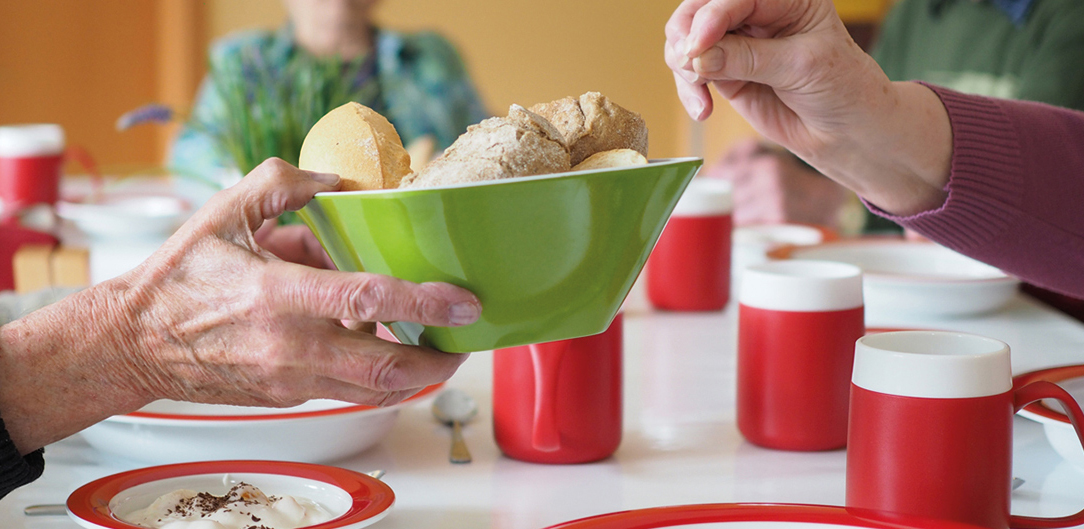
[1015,192]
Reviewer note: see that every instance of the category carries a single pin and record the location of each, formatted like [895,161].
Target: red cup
[797,325]
[689,268]
[559,402]
[31,157]
[931,428]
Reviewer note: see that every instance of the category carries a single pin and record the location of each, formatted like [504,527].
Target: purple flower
[152,113]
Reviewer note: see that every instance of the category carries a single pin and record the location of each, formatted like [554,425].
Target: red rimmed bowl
[315,432]
[353,499]
[1059,430]
[757,516]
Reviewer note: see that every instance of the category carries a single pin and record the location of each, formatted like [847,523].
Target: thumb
[772,62]
[273,188]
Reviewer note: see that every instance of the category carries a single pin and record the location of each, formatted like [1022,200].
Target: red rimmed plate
[315,432]
[756,516]
[356,500]
[1059,430]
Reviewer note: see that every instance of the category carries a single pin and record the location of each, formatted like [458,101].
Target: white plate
[916,277]
[1059,431]
[757,516]
[317,431]
[356,500]
[126,215]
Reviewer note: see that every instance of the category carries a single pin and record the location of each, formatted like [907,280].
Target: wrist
[65,367]
[899,156]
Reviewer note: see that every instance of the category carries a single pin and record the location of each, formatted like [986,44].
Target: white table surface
[680,444]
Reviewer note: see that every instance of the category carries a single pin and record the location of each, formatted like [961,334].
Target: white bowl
[317,431]
[354,499]
[127,215]
[751,244]
[1059,431]
[916,277]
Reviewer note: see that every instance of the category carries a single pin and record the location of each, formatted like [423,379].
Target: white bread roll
[612,158]
[359,145]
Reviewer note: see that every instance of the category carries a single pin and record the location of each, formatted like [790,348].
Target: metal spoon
[454,407]
[52,509]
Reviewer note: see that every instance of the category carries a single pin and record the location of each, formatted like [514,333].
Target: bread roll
[520,144]
[592,123]
[357,144]
[614,158]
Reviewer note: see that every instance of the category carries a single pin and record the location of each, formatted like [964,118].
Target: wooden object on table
[31,267]
[12,237]
[39,266]
[69,267]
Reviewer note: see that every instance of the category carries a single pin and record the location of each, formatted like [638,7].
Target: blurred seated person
[1015,49]
[417,80]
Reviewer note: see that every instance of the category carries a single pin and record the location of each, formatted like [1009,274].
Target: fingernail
[684,61]
[688,45]
[710,61]
[696,109]
[464,313]
[690,77]
[325,178]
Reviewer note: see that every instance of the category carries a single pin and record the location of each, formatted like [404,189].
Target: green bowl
[550,257]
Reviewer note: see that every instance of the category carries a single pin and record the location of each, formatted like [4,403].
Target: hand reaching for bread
[589,132]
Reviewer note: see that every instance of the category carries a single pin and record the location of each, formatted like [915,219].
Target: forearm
[65,367]
[1014,191]
[899,158]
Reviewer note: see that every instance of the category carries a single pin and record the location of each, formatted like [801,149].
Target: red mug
[559,402]
[797,324]
[689,268]
[931,428]
[31,157]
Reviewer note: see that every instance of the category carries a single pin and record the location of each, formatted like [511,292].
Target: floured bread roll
[592,123]
[359,145]
[614,158]
[520,144]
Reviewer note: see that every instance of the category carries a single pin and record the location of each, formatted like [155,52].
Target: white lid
[801,286]
[44,139]
[932,364]
[705,197]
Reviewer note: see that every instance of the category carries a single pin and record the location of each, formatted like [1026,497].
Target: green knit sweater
[973,47]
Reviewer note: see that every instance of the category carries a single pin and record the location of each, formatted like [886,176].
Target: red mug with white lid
[689,268]
[931,428]
[797,324]
[31,157]
[560,402]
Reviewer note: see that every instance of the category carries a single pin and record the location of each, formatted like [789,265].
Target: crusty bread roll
[592,123]
[357,144]
[520,144]
[613,158]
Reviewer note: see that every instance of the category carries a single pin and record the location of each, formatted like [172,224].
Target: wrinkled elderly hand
[790,68]
[771,186]
[213,317]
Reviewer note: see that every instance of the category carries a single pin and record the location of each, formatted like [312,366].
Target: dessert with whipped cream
[242,507]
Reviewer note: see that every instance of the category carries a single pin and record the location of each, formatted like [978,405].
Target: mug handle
[1035,391]
[546,359]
